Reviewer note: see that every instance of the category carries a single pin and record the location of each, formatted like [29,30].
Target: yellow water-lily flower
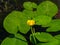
[30,22]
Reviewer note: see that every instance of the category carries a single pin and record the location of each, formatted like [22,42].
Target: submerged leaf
[47,8]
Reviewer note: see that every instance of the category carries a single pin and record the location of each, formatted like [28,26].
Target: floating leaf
[44,37]
[16,21]
[23,27]
[20,37]
[28,13]
[11,22]
[42,20]
[29,5]
[57,37]
[47,8]
[54,26]
[54,42]
[14,41]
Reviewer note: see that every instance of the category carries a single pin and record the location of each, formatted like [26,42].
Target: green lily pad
[29,5]
[42,20]
[20,37]
[11,22]
[54,26]
[52,42]
[16,21]
[28,13]
[44,37]
[55,42]
[47,8]
[57,37]
[14,41]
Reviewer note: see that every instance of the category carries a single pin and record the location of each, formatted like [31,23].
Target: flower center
[30,22]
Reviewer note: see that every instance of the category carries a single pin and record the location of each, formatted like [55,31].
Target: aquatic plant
[23,21]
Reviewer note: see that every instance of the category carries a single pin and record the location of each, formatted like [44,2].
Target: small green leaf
[28,13]
[57,37]
[54,26]
[20,37]
[53,42]
[13,41]
[31,36]
[44,37]
[16,21]
[29,5]
[47,8]
[31,39]
[49,43]
[42,20]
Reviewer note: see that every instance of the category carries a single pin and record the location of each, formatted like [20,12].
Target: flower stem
[33,31]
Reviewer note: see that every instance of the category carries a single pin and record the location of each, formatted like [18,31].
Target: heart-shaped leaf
[16,21]
[29,5]
[28,13]
[44,37]
[47,8]
[14,41]
[55,42]
[57,37]
[54,26]
[11,22]
[20,37]
[42,20]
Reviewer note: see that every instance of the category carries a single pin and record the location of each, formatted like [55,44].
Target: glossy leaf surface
[29,5]
[17,40]
[42,20]
[44,37]
[16,21]
[54,26]
[47,8]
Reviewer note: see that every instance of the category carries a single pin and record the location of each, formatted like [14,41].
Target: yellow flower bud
[31,22]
